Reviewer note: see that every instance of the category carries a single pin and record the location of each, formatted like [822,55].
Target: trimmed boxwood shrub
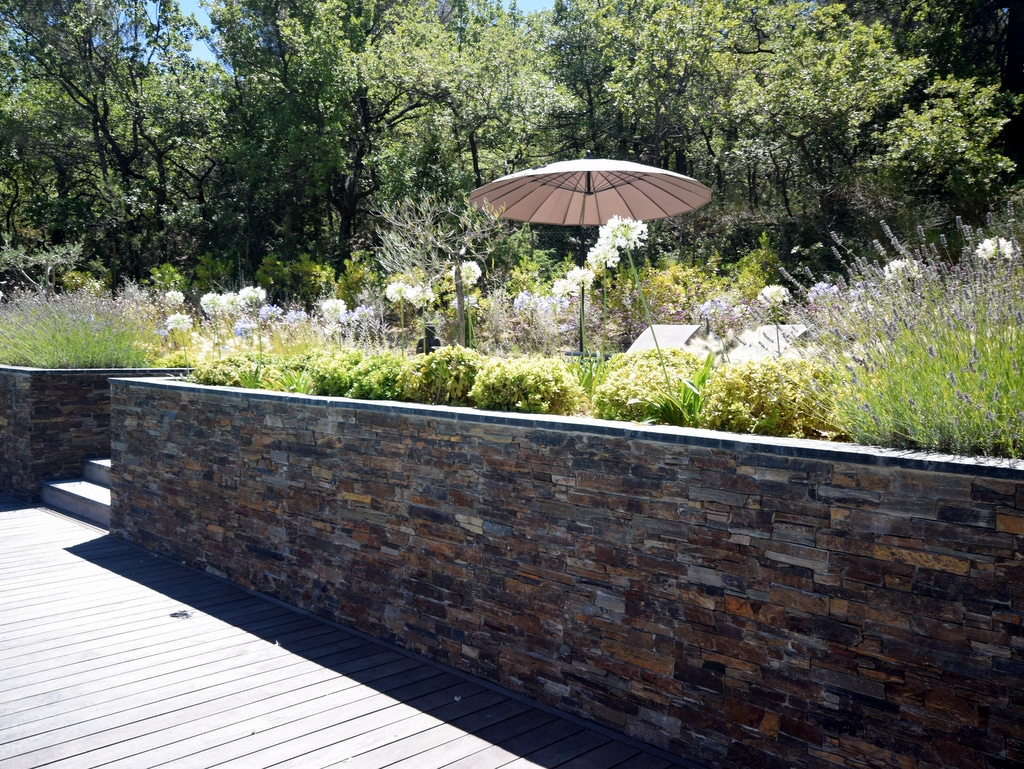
[241,370]
[632,376]
[380,377]
[445,376]
[528,385]
[781,397]
[331,371]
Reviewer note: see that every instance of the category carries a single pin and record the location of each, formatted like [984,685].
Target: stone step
[98,471]
[79,497]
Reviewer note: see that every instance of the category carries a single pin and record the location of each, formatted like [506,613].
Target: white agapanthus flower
[174,299]
[333,309]
[471,273]
[773,296]
[620,233]
[602,256]
[579,278]
[900,269]
[179,321]
[213,304]
[397,292]
[419,296]
[991,249]
[252,297]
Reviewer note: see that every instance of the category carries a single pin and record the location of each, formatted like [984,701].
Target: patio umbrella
[590,192]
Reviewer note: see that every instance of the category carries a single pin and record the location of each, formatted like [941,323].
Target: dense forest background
[805,118]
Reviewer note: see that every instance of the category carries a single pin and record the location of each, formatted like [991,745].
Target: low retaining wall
[51,420]
[741,602]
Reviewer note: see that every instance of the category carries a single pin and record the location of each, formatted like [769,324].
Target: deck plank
[110,656]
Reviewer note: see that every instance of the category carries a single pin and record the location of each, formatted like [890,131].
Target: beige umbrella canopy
[590,192]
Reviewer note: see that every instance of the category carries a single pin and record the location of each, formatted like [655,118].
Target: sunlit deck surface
[113,657]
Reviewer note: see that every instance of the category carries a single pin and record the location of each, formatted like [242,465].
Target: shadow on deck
[113,656]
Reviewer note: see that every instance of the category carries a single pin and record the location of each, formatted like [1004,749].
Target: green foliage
[250,370]
[528,385]
[948,145]
[380,377]
[39,268]
[803,118]
[355,277]
[74,330]
[933,350]
[166,277]
[304,280]
[633,378]
[591,370]
[213,273]
[331,371]
[756,269]
[445,376]
[673,293]
[172,359]
[680,404]
[773,396]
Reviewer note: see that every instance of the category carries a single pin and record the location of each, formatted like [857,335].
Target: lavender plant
[932,346]
[81,329]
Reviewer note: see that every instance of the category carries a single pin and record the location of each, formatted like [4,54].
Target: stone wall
[742,602]
[50,421]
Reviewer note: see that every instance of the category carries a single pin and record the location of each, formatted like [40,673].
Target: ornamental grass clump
[933,348]
[75,330]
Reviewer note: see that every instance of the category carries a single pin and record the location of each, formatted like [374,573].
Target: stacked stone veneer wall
[50,421]
[738,601]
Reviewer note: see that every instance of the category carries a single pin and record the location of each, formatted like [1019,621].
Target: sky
[201,51]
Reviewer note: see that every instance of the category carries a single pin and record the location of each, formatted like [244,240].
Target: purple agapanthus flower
[269,312]
[244,327]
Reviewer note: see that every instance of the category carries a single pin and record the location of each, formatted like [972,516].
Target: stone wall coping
[29,370]
[799,448]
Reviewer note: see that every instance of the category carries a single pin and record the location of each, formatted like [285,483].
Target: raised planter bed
[51,420]
[739,601]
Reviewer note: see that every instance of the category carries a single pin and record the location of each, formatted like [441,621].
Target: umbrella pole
[582,261]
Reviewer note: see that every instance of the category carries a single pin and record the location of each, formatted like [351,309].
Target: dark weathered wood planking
[112,657]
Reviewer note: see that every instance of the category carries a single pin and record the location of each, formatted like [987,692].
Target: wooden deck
[113,657]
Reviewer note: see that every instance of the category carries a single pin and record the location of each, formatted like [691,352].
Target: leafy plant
[681,404]
[590,371]
[295,380]
[330,371]
[249,370]
[303,280]
[633,377]
[773,396]
[39,268]
[445,376]
[529,385]
[380,377]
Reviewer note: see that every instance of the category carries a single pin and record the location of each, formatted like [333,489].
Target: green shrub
[530,385]
[445,376]
[242,370]
[304,280]
[680,403]
[81,329]
[330,371]
[633,377]
[781,397]
[380,377]
[173,359]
